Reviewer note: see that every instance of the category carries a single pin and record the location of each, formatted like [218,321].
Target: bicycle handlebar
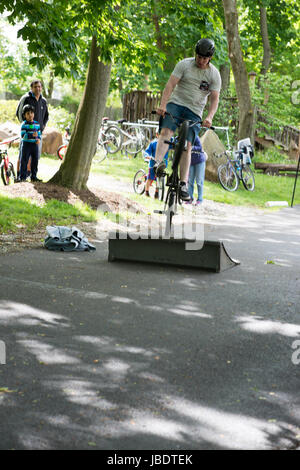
[6,142]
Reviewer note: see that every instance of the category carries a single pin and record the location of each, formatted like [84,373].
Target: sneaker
[147,193]
[198,203]
[189,202]
[183,192]
[159,168]
[156,195]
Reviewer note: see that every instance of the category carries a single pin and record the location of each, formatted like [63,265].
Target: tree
[246,115]
[75,169]
[56,39]
[265,38]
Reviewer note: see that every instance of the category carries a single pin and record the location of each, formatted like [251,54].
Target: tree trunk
[75,169]
[265,40]
[225,77]
[246,124]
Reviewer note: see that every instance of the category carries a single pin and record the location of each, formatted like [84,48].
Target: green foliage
[8,111]
[60,118]
[274,98]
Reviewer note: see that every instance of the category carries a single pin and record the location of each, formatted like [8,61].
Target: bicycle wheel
[61,151]
[171,198]
[136,140]
[113,139]
[8,174]
[161,188]
[139,182]
[247,176]
[228,178]
[180,145]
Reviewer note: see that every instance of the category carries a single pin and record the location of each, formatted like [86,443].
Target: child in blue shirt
[149,156]
[197,171]
[31,136]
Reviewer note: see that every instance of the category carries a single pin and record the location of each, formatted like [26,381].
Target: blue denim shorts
[181,113]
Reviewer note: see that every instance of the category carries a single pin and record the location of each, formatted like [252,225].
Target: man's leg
[185,163]
[162,147]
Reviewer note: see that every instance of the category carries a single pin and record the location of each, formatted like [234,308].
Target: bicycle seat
[105,119]
[120,121]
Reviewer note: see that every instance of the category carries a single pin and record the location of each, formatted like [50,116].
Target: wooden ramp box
[208,255]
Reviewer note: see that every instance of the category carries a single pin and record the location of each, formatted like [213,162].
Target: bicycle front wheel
[181,143]
[61,151]
[139,182]
[228,178]
[247,176]
[112,139]
[136,141]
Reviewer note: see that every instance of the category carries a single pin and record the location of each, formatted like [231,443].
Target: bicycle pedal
[159,212]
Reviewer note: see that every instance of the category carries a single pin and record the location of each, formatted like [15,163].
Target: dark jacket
[198,155]
[41,114]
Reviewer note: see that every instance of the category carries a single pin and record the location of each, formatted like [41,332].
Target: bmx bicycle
[173,193]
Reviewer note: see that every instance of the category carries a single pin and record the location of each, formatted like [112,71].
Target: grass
[23,213]
[267,187]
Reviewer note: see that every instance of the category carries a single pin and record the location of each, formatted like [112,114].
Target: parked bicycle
[62,149]
[238,168]
[7,170]
[139,183]
[173,194]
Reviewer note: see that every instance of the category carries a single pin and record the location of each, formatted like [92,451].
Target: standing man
[34,98]
[185,96]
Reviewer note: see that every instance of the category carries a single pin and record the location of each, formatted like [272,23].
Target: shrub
[8,110]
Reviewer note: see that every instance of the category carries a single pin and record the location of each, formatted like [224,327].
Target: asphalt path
[125,355]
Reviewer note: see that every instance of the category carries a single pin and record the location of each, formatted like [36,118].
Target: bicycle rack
[211,256]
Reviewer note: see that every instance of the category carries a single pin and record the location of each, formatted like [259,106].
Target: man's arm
[212,109]
[20,108]
[171,84]
[46,117]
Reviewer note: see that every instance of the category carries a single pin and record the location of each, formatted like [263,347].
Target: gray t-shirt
[195,85]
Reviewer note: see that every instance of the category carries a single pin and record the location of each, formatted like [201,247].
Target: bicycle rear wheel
[248,179]
[171,201]
[161,188]
[181,143]
[113,139]
[8,174]
[228,178]
[139,182]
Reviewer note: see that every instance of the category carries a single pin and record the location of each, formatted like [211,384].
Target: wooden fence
[139,104]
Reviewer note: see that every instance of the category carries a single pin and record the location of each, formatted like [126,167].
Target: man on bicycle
[184,97]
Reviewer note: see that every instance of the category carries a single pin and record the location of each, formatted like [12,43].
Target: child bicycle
[140,179]
[237,169]
[173,183]
[8,174]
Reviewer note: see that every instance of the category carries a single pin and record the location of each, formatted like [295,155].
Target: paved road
[130,356]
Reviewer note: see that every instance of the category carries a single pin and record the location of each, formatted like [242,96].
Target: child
[31,136]
[197,171]
[149,156]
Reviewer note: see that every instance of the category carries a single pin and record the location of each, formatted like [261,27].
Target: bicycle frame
[173,193]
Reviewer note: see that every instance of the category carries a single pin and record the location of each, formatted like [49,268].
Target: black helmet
[205,47]
[26,108]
